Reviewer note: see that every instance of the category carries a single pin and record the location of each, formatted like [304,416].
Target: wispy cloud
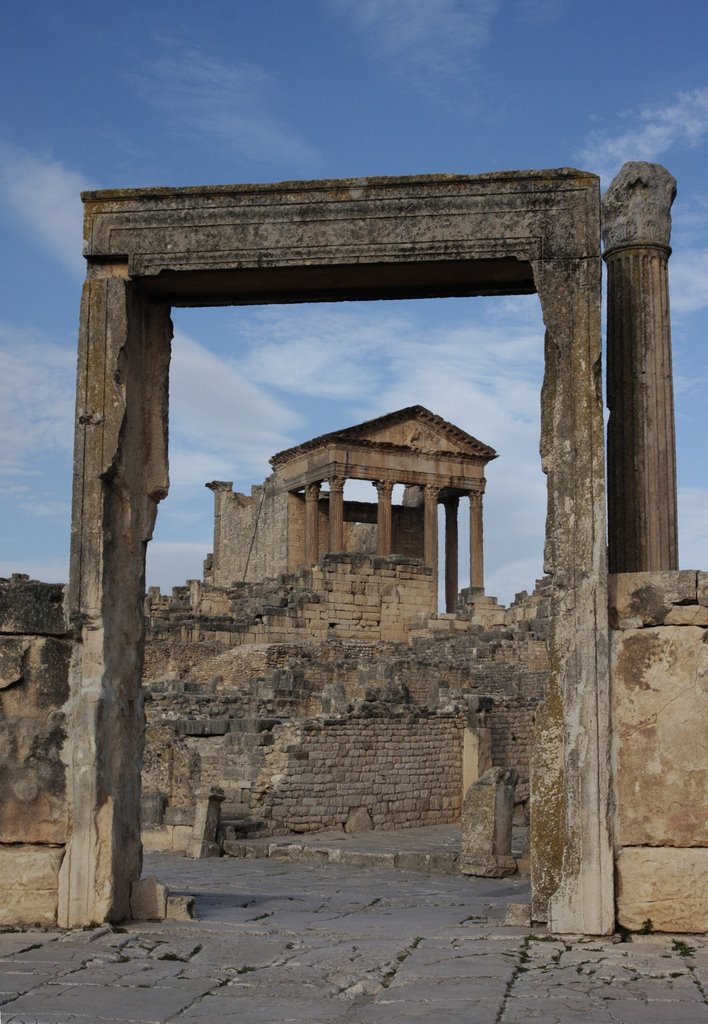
[652,131]
[232,105]
[45,195]
[221,422]
[36,401]
[428,42]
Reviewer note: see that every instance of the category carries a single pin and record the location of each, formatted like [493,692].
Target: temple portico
[301,514]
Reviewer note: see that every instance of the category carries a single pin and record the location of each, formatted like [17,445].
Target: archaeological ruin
[308,680]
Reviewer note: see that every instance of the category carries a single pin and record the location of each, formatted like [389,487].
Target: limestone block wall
[251,534]
[404,769]
[34,690]
[346,596]
[659,650]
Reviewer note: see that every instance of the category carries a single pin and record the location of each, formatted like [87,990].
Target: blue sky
[157,93]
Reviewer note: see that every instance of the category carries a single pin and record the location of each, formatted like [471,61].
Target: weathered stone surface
[641,446]
[637,206]
[518,915]
[660,707]
[28,884]
[33,732]
[687,615]
[206,824]
[148,900]
[27,606]
[668,887]
[702,588]
[487,813]
[12,652]
[359,820]
[646,598]
[181,908]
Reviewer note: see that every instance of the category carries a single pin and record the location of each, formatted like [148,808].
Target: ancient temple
[299,513]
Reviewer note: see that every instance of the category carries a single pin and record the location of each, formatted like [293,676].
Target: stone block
[206,824]
[32,736]
[148,900]
[29,882]
[487,814]
[518,915]
[668,887]
[702,588]
[181,908]
[659,711]
[646,598]
[29,607]
[687,615]
[359,820]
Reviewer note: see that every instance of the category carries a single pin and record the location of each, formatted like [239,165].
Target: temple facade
[300,514]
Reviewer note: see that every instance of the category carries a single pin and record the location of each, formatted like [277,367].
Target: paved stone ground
[323,942]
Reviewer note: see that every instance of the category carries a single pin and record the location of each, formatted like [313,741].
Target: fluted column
[312,526]
[451,553]
[336,513]
[641,446]
[384,489]
[430,532]
[476,541]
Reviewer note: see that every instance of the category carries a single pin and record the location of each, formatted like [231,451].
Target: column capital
[312,490]
[451,502]
[476,498]
[384,487]
[431,492]
[636,209]
[336,483]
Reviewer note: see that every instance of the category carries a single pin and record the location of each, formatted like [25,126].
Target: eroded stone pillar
[430,532]
[451,553]
[312,524]
[571,852]
[476,541]
[641,446]
[120,474]
[336,513]
[384,489]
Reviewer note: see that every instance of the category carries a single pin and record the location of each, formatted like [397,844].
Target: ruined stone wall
[347,596]
[34,690]
[252,535]
[659,650]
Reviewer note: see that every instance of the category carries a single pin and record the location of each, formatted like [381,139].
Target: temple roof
[413,429]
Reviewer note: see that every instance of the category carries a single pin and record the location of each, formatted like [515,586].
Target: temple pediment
[414,429]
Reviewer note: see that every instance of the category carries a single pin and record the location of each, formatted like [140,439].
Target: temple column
[641,447]
[336,513]
[430,532]
[476,541]
[383,516]
[451,553]
[312,526]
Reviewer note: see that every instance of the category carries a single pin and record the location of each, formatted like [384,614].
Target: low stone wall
[659,649]
[34,690]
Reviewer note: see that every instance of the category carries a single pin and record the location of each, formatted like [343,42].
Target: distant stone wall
[659,647]
[34,690]
[250,534]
